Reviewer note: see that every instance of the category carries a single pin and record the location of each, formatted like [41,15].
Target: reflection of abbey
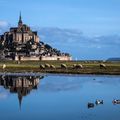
[20,85]
[21,43]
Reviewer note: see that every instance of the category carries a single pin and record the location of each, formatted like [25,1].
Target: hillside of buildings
[21,43]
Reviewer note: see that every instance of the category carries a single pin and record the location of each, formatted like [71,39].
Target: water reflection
[60,97]
[21,85]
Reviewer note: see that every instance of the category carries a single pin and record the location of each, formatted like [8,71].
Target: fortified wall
[34,58]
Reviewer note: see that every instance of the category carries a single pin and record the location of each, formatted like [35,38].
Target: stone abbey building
[21,43]
[21,34]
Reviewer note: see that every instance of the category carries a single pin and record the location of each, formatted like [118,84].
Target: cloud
[75,37]
[78,44]
[3,24]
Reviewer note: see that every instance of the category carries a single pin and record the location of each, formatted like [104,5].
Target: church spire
[20,20]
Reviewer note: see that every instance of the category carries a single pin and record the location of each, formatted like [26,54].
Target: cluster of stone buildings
[21,43]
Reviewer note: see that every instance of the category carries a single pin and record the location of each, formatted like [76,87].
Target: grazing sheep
[52,66]
[4,66]
[64,66]
[47,65]
[74,65]
[102,66]
[78,66]
[42,66]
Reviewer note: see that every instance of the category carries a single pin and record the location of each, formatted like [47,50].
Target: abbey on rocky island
[21,43]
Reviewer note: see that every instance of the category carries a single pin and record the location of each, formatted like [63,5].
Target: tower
[20,21]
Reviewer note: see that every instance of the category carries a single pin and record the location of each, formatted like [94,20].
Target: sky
[93,17]
[97,20]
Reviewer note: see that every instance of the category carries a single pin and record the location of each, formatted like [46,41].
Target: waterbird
[90,105]
[97,102]
[116,101]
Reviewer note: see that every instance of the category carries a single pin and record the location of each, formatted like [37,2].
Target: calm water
[58,97]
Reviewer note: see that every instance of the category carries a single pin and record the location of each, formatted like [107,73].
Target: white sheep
[4,66]
[102,66]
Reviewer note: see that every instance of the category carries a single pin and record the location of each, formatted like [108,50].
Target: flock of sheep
[64,66]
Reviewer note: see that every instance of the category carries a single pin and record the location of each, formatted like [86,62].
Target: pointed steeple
[20,20]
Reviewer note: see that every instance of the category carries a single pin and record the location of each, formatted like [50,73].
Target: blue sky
[91,21]
[93,17]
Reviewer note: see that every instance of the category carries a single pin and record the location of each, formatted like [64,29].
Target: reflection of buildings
[20,85]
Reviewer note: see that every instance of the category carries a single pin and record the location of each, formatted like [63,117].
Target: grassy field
[89,67]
